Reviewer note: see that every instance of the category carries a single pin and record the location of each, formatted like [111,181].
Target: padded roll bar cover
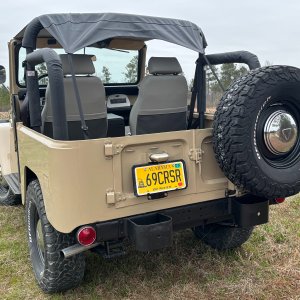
[33,97]
[235,57]
[55,74]
[31,33]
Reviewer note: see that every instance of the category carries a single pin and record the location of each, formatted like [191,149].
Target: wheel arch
[28,176]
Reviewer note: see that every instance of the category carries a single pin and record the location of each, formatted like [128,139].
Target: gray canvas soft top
[76,31]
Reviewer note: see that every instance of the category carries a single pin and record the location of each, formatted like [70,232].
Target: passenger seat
[92,95]
[162,101]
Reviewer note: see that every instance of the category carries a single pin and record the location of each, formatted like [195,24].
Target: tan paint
[126,44]
[8,155]
[82,185]
[12,75]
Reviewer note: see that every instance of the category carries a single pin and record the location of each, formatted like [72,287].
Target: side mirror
[2,75]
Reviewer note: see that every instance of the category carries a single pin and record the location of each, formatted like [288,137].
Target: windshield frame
[18,66]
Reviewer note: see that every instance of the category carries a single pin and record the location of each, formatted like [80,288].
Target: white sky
[270,29]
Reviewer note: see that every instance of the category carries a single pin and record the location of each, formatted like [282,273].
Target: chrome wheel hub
[40,240]
[280,132]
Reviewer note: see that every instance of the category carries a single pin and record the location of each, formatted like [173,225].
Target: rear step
[13,182]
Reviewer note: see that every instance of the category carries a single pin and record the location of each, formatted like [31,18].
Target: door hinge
[195,154]
[110,150]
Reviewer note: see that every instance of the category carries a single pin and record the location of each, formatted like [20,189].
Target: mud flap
[250,211]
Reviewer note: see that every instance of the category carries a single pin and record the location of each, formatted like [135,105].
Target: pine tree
[106,75]
[4,99]
[230,72]
[131,70]
[227,73]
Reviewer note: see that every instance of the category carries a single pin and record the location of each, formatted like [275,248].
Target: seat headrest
[164,65]
[82,63]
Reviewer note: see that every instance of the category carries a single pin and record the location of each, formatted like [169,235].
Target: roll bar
[55,75]
[245,57]
[199,88]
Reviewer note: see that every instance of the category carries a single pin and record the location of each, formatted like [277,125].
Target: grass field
[266,267]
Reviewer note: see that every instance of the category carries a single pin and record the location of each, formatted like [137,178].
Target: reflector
[279,200]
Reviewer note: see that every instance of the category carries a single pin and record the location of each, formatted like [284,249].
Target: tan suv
[100,159]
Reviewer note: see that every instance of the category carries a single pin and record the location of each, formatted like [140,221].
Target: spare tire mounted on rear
[256,132]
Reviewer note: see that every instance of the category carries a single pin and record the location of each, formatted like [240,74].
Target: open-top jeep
[98,164]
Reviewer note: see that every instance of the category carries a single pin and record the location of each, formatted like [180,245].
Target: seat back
[92,95]
[162,101]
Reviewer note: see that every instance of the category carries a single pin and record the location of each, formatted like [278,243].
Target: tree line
[227,73]
[4,99]
[130,74]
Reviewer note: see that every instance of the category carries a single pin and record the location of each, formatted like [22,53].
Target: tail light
[86,235]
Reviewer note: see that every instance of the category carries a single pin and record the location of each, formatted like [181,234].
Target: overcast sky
[270,29]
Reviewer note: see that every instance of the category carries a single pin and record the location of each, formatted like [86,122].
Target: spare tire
[256,132]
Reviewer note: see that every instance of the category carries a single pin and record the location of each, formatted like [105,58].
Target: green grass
[4,99]
[266,267]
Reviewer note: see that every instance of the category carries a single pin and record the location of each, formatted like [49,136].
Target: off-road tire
[236,133]
[54,273]
[7,197]
[223,237]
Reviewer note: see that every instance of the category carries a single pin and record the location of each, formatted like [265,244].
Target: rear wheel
[53,272]
[223,237]
[7,197]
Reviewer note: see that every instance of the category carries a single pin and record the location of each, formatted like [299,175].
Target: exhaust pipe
[76,249]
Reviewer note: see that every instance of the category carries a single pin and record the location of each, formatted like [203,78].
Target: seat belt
[193,97]
[78,100]
[214,73]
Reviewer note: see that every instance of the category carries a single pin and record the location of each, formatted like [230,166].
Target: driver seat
[92,95]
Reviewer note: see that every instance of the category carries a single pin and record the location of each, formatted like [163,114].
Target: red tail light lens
[86,235]
[279,200]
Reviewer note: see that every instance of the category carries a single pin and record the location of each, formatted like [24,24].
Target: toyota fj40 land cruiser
[87,184]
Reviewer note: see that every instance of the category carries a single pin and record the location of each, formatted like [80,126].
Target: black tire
[238,132]
[7,197]
[53,272]
[222,237]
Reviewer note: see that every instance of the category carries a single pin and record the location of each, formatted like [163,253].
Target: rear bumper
[154,230]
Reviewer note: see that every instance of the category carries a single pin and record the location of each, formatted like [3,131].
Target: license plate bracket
[155,180]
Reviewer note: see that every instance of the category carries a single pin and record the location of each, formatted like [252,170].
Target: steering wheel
[42,76]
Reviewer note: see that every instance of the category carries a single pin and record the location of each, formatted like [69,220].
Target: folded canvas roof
[76,31]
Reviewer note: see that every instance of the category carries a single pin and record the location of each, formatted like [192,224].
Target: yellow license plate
[159,178]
